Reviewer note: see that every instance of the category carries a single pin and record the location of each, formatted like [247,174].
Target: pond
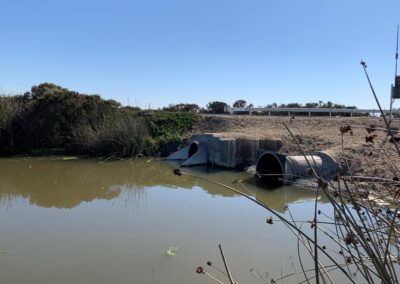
[90,221]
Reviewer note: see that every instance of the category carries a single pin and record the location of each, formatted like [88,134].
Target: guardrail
[309,111]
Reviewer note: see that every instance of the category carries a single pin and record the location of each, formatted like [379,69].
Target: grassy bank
[50,119]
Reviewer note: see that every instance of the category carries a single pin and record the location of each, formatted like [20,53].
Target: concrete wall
[224,152]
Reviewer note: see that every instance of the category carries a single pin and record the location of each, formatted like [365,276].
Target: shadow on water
[48,182]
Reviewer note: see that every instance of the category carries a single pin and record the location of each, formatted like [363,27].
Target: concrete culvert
[193,148]
[270,169]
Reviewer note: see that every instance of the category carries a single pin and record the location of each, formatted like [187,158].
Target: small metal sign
[396,88]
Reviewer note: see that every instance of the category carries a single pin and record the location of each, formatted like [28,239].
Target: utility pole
[395,90]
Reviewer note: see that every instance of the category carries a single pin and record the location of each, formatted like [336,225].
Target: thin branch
[226,265]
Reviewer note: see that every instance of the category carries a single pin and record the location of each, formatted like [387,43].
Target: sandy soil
[377,158]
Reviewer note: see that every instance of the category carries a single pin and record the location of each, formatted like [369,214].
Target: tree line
[221,107]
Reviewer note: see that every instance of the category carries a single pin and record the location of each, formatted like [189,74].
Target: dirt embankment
[369,153]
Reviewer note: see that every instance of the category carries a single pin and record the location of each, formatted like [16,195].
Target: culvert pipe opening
[193,148]
[270,169]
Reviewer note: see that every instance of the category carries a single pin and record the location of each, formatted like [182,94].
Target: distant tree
[170,107]
[273,105]
[311,105]
[290,105]
[216,107]
[250,106]
[202,110]
[240,103]
[188,107]
[293,105]
[339,106]
[182,107]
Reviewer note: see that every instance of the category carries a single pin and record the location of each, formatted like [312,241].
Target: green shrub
[54,119]
[169,125]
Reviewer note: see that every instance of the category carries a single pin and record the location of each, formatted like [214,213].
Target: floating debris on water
[69,158]
[171,251]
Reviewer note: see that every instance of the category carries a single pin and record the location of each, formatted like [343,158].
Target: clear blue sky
[196,51]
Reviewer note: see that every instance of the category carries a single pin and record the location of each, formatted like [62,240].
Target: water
[85,221]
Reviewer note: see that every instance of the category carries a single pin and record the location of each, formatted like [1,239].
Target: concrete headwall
[224,152]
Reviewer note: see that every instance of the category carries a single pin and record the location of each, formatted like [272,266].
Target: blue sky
[197,51]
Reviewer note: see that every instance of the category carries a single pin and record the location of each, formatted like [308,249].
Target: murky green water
[89,222]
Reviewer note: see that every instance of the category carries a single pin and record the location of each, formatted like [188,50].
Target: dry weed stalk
[365,226]
[364,230]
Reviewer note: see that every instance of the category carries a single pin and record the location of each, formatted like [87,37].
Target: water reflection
[57,183]
[277,199]
[65,184]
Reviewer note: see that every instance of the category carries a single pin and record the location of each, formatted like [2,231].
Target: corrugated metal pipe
[274,169]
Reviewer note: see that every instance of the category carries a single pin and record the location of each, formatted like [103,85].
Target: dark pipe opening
[270,170]
[194,147]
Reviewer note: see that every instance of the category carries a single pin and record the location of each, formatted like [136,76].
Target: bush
[51,113]
[169,125]
[52,117]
